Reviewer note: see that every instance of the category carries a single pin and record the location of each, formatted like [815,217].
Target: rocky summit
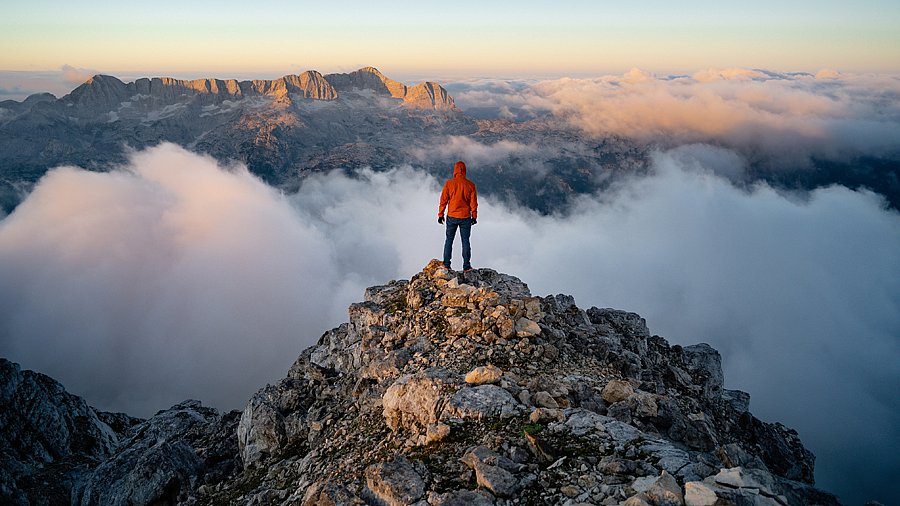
[447,389]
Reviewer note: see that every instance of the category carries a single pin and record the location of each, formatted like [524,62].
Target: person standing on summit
[460,198]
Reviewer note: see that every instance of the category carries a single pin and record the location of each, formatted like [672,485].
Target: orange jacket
[460,194]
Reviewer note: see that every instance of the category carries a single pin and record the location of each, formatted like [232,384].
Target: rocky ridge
[454,388]
[103,92]
[427,95]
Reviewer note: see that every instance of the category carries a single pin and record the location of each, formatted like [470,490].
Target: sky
[438,40]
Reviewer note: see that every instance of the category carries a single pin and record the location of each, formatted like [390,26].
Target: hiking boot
[468,269]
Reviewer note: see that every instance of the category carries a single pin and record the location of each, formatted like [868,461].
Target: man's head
[459,168]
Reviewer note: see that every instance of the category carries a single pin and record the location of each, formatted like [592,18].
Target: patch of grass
[636,442]
[533,428]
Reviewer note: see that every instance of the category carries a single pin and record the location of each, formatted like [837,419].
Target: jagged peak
[105,91]
[103,79]
[371,70]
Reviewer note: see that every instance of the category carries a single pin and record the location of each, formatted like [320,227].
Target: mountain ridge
[106,91]
[448,388]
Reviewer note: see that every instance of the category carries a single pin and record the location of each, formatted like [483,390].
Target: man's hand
[474,221]
[440,220]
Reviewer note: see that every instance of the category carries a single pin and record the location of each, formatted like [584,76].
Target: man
[461,201]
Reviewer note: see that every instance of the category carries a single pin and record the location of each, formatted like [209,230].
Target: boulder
[461,498]
[483,401]
[396,483]
[662,490]
[493,472]
[705,363]
[616,391]
[527,328]
[414,401]
[698,494]
[483,375]
[543,399]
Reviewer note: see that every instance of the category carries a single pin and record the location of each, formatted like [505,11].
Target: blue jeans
[465,228]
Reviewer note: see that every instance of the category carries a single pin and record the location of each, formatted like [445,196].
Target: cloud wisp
[175,278]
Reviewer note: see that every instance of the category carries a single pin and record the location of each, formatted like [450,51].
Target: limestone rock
[396,483]
[705,362]
[163,457]
[698,494]
[483,401]
[737,399]
[48,437]
[616,391]
[427,95]
[543,399]
[543,415]
[378,411]
[414,401]
[484,375]
[639,499]
[665,491]
[581,421]
[492,471]
[436,432]
[527,328]
[261,431]
[460,498]
[328,493]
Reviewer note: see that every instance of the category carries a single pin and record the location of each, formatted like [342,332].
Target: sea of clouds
[785,119]
[175,277]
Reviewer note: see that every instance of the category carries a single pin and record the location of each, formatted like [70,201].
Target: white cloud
[458,147]
[784,118]
[74,76]
[168,280]
[734,73]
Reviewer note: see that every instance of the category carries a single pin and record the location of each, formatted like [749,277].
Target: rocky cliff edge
[464,389]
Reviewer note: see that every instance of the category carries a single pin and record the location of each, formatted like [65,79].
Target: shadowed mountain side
[282,129]
[448,388]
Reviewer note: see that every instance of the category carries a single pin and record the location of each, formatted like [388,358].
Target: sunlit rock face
[427,95]
[107,92]
[452,387]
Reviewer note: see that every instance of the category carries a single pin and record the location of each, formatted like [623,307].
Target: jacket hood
[459,170]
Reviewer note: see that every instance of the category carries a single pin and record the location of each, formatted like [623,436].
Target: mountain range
[286,129]
[289,128]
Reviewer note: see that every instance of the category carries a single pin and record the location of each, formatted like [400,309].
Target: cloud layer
[174,278]
[786,118]
[169,279]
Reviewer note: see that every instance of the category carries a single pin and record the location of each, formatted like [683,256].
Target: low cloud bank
[169,279]
[176,278]
[782,117]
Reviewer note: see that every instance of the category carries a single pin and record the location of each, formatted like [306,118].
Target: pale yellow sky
[466,38]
